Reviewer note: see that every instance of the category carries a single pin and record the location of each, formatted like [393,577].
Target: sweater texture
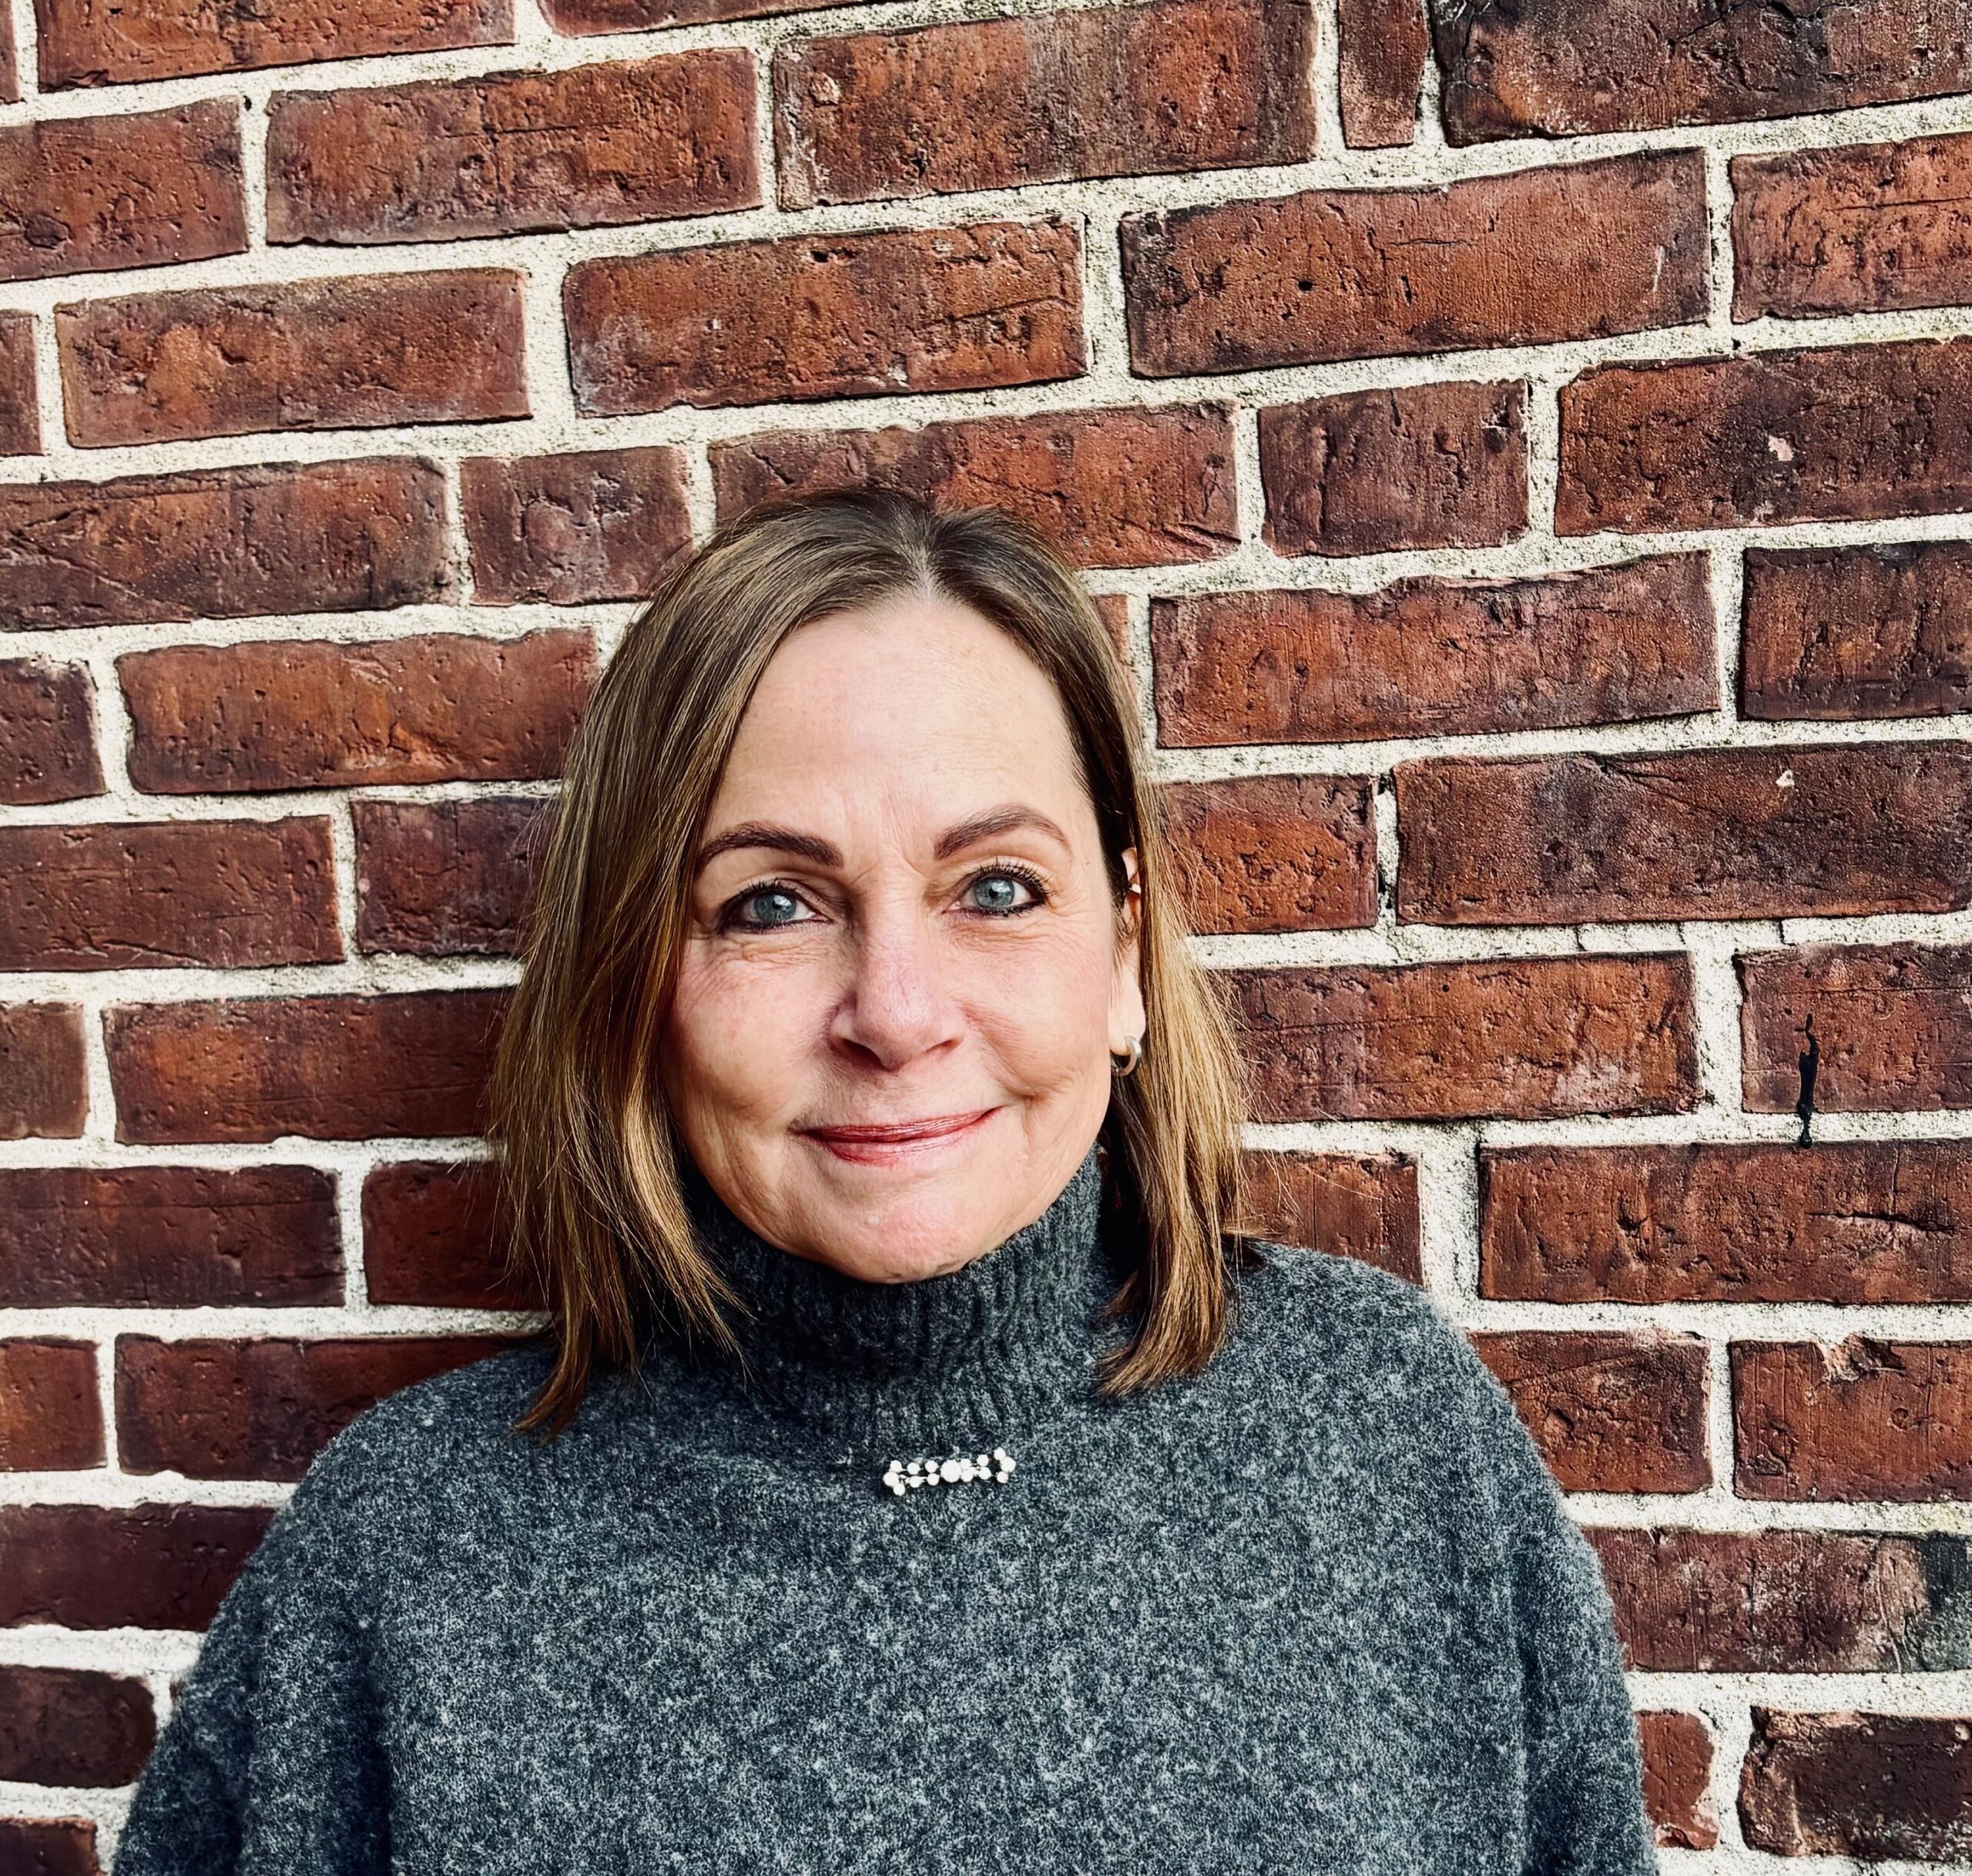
[1318,1607]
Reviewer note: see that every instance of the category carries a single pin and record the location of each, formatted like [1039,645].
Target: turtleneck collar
[956,1362]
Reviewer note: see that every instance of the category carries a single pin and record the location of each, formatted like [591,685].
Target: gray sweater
[1318,1608]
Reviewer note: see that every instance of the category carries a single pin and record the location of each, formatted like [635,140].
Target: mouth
[885,1145]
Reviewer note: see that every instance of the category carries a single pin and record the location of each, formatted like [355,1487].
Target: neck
[958,1361]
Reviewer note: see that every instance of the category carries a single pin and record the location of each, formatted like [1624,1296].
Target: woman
[923,1471]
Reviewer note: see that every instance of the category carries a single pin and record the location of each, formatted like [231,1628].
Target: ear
[1127,1017]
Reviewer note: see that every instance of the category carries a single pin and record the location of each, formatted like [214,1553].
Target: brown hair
[596,1221]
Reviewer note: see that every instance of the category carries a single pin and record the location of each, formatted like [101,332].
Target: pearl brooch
[959,1468]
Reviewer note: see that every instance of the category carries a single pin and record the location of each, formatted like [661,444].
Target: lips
[935,1126]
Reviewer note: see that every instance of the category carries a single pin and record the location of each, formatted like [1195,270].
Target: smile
[883,1146]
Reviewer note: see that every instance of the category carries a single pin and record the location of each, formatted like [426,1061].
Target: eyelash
[729,921]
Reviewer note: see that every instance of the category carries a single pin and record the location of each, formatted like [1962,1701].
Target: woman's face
[889,1047]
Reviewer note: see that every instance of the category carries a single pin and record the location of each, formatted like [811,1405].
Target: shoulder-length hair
[595,1218]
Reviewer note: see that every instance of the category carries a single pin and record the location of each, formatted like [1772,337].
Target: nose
[898,1004]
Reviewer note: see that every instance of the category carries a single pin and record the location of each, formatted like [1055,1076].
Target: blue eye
[788,913]
[999,885]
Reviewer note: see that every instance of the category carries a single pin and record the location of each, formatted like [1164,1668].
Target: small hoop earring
[1126,1064]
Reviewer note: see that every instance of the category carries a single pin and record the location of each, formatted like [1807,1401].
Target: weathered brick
[1610,1412]
[1871,1786]
[325,354]
[587,16]
[20,417]
[339,1068]
[100,42]
[223,543]
[1888,1027]
[570,529]
[1274,853]
[1435,657]
[440,878]
[1677,1776]
[315,713]
[1559,252]
[826,315]
[144,1566]
[262,1409]
[991,104]
[10,77]
[44,1083]
[431,1235]
[48,1846]
[62,1726]
[1777,832]
[1878,629]
[1871,227]
[1566,68]
[1787,1601]
[167,1236]
[1868,1419]
[51,1419]
[1533,1038]
[1383,48]
[1370,472]
[1853,433]
[1852,1221]
[1118,488]
[110,895]
[47,732]
[1363,1206]
[81,194]
[512,152]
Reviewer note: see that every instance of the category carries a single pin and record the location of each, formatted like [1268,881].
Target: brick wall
[1526,454]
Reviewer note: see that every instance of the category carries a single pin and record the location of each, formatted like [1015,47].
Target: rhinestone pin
[956,1468]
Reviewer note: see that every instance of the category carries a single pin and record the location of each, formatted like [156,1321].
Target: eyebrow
[968,833]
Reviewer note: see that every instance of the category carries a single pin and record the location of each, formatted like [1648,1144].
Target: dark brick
[588,16]
[47,732]
[145,1566]
[44,1085]
[20,410]
[441,877]
[1363,1206]
[61,1725]
[1871,1786]
[431,1235]
[1384,45]
[48,1846]
[51,1418]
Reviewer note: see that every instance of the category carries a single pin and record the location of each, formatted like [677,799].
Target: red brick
[1570,67]
[1577,252]
[1875,630]
[1871,227]
[326,354]
[1890,1027]
[223,543]
[108,895]
[49,1847]
[1853,433]
[1119,487]
[51,1419]
[1609,1412]
[570,529]
[441,877]
[1435,657]
[1852,1222]
[826,315]
[167,1236]
[101,42]
[262,1409]
[1677,1775]
[1530,1038]
[1362,1205]
[1783,1602]
[81,194]
[1777,832]
[990,104]
[44,1086]
[146,1566]
[1871,1786]
[61,1726]
[337,1068]
[1370,472]
[10,78]
[20,418]
[1274,853]
[47,732]
[587,16]
[514,153]
[1383,53]
[1868,1419]
[316,713]
[431,1235]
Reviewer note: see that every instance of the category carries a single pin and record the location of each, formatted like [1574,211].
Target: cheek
[1047,1010]
[734,1032]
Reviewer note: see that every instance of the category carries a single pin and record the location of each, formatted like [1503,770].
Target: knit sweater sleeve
[271,1761]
